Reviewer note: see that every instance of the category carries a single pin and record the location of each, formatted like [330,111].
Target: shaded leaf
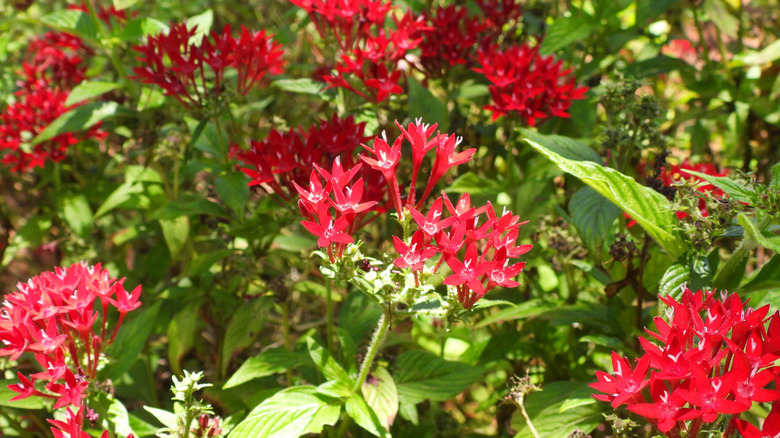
[546,411]
[364,416]
[243,328]
[422,103]
[592,215]
[421,375]
[130,340]
[565,31]
[175,232]
[79,119]
[269,362]
[232,188]
[89,89]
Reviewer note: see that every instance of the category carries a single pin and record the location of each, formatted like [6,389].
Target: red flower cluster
[285,158]
[56,58]
[525,83]
[73,427]
[108,14]
[716,357]
[455,34]
[477,251]
[26,118]
[173,62]
[370,52]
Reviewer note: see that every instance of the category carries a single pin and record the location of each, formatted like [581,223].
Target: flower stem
[373,347]
[528,422]
[329,313]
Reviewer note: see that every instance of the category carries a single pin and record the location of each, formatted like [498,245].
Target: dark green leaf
[767,278]
[182,331]
[675,278]
[131,340]
[79,119]
[655,66]
[649,208]
[565,31]
[269,362]
[289,413]
[421,375]
[89,89]
[552,412]
[175,231]
[647,10]
[326,363]
[242,329]
[233,189]
[30,235]
[592,215]
[427,106]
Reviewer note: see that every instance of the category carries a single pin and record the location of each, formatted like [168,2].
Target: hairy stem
[373,348]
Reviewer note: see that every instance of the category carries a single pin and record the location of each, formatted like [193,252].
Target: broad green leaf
[175,232]
[609,342]
[422,103]
[647,10]
[527,309]
[300,86]
[546,411]
[120,195]
[182,332]
[326,363]
[26,403]
[76,213]
[137,29]
[566,147]
[233,189]
[768,54]
[733,188]
[118,416]
[79,119]
[767,278]
[203,262]
[764,238]
[565,31]
[421,375]
[364,416]
[124,4]
[168,419]
[30,235]
[89,89]
[592,215]
[150,98]
[242,329]
[649,208]
[141,427]
[701,272]
[269,362]
[130,341]
[182,207]
[717,12]
[675,278]
[289,413]
[472,184]
[656,66]
[358,315]
[380,393]
[76,22]
[202,25]
[335,389]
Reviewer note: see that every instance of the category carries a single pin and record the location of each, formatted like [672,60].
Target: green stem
[109,47]
[286,334]
[528,422]
[222,143]
[329,313]
[373,347]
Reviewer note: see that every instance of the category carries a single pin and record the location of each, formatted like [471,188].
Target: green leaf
[470,183]
[647,10]
[364,416]
[168,419]
[655,66]
[79,119]
[566,147]
[716,11]
[89,89]
[26,403]
[232,188]
[76,213]
[300,86]
[287,414]
[422,103]
[139,28]
[203,262]
[767,278]
[768,54]
[194,207]
[675,278]
[358,315]
[30,235]
[119,196]
[269,362]
[421,375]
[118,416]
[124,4]
[175,232]
[733,188]
[527,309]
[552,412]
[202,25]
[649,208]
[701,273]
[182,331]
[565,31]
[130,341]
[326,363]
[381,395]
[592,215]
[75,22]
[764,238]
[242,329]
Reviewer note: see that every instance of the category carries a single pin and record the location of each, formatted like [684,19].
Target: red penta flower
[527,84]
[56,58]
[414,255]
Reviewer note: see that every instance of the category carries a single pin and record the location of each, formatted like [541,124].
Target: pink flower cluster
[55,64]
[715,357]
[177,65]
[53,317]
[370,52]
[527,84]
[286,158]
